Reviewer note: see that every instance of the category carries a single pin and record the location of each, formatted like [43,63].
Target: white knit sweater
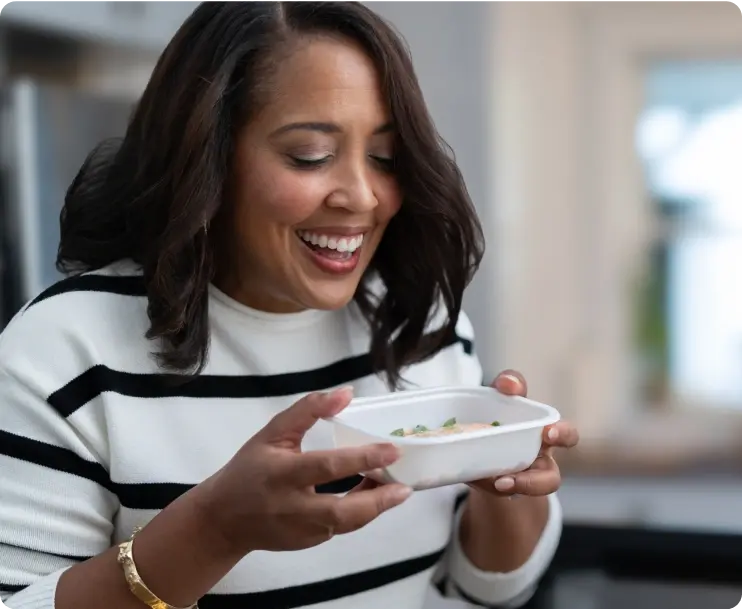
[94,443]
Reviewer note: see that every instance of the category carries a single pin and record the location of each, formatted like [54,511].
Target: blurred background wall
[601,143]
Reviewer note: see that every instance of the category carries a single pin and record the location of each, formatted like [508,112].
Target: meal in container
[448,428]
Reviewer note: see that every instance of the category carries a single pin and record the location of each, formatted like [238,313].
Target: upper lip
[337,230]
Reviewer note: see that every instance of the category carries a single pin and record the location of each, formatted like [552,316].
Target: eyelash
[308,164]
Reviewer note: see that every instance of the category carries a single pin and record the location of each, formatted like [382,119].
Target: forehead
[325,78]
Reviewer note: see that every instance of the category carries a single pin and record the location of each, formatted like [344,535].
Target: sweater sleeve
[56,508]
[459,578]
[464,581]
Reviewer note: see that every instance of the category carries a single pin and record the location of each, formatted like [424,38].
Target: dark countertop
[644,553]
[601,566]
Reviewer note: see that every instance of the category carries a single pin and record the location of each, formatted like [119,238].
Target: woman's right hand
[264,498]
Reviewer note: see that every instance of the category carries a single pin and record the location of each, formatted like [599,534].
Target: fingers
[291,424]
[510,382]
[357,509]
[543,478]
[322,466]
[366,485]
[561,435]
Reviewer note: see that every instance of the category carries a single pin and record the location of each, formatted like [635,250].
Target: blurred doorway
[661,327]
[689,138]
[578,231]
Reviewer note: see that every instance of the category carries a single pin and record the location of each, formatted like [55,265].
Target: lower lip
[330,265]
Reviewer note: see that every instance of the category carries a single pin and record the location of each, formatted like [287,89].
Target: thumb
[291,424]
[510,382]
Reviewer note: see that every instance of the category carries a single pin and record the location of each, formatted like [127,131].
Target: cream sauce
[448,431]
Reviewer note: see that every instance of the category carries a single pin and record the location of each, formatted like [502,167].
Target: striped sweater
[94,442]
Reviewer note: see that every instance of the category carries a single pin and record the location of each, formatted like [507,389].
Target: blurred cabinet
[48,132]
[142,24]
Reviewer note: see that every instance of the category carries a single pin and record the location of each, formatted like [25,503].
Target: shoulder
[73,323]
[120,279]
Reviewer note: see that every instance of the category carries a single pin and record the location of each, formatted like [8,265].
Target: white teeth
[341,244]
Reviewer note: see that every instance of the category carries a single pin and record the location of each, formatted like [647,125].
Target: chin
[330,298]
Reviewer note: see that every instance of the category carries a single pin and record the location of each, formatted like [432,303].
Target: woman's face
[312,185]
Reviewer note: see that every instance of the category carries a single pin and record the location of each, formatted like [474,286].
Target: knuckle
[525,486]
[329,468]
[279,470]
[309,401]
[381,504]
[335,515]
[367,460]
[305,405]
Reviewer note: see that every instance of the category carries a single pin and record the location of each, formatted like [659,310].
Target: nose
[354,190]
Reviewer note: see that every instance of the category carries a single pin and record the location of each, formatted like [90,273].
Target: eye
[308,163]
[386,163]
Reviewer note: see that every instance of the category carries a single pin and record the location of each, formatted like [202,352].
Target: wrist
[181,555]
[499,534]
[492,513]
[212,516]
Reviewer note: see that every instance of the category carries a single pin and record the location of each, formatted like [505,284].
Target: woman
[280,221]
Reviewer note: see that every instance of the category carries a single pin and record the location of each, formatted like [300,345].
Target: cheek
[390,200]
[280,199]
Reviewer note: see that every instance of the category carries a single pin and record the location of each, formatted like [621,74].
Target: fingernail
[510,377]
[553,433]
[346,391]
[340,405]
[377,473]
[400,493]
[504,484]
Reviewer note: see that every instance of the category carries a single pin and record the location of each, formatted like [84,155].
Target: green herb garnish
[450,423]
[398,432]
[419,429]
[495,423]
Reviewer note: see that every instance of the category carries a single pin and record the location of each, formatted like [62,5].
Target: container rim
[550,415]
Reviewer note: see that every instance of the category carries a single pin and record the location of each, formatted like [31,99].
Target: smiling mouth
[333,247]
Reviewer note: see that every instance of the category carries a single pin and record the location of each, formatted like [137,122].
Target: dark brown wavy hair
[148,196]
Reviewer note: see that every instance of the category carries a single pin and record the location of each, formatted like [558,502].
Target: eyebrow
[324,128]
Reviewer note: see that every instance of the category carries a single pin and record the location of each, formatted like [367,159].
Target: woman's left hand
[543,477]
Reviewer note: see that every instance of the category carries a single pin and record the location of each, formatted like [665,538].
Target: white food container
[430,462]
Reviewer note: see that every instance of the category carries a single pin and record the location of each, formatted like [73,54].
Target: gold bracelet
[135,583]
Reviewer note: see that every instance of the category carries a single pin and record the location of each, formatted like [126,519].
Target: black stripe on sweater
[125,286]
[146,496]
[101,379]
[53,457]
[158,495]
[10,588]
[312,593]
[324,591]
